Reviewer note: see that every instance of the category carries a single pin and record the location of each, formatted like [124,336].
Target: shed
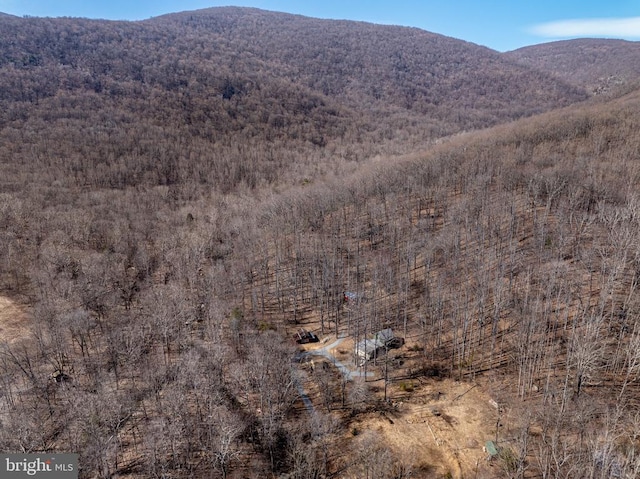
[491,449]
[352,297]
[303,337]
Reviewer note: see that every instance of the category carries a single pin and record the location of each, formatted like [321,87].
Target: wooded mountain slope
[507,258]
[365,64]
[208,84]
[176,201]
[598,65]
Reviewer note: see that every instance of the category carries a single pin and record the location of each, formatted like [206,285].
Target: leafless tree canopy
[179,195]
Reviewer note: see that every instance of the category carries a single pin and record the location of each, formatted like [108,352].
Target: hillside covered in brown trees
[200,86]
[599,65]
[180,197]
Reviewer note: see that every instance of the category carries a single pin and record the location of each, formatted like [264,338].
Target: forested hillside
[218,94]
[599,65]
[180,196]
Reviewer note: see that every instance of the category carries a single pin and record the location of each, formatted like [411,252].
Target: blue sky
[499,24]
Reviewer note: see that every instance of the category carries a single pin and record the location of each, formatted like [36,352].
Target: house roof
[380,340]
[385,335]
[368,346]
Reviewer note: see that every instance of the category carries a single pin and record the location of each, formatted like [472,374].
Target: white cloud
[595,27]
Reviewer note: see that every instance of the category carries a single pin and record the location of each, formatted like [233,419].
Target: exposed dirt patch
[436,426]
[438,429]
[13,321]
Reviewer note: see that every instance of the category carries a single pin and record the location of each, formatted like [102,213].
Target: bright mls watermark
[51,466]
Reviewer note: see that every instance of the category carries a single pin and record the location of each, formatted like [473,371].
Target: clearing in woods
[436,426]
[439,429]
[13,321]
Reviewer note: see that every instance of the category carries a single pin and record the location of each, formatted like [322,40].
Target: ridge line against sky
[499,24]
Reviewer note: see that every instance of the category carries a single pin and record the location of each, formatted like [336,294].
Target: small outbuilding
[303,337]
[491,449]
[60,376]
[352,298]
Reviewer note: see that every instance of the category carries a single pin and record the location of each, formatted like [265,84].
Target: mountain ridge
[257,76]
[598,65]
